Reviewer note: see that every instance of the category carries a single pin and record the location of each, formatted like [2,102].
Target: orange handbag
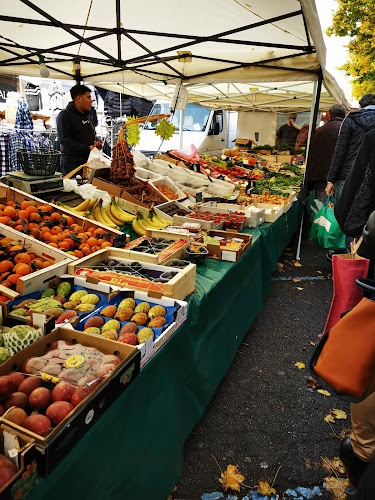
[344,360]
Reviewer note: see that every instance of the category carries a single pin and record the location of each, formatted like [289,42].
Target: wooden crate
[7,194]
[219,253]
[165,181]
[34,281]
[178,287]
[176,251]
[205,224]
[159,209]
[131,207]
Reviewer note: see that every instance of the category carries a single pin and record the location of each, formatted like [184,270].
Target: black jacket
[112,104]
[353,128]
[322,149]
[357,199]
[76,133]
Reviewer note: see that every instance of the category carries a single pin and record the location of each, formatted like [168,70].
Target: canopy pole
[181,128]
[312,125]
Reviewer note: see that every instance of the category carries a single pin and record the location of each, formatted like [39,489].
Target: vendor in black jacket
[352,131]
[75,130]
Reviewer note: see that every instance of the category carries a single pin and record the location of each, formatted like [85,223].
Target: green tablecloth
[135,450]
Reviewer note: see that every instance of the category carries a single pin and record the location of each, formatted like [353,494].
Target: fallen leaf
[334,465]
[339,414]
[300,365]
[231,478]
[265,489]
[311,382]
[329,418]
[280,266]
[319,272]
[337,486]
[295,280]
[345,432]
[311,343]
[325,393]
[299,288]
[297,264]
[288,254]
[308,463]
[303,348]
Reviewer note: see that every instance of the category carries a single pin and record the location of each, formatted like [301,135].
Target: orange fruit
[16,248]
[44,229]
[83,236]
[34,216]
[54,239]
[106,244]
[53,244]
[69,220]
[70,252]
[10,212]
[5,220]
[92,242]
[19,228]
[25,204]
[24,213]
[86,250]
[45,218]
[46,236]
[70,242]
[6,265]
[12,279]
[23,269]
[78,229]
[32,210]
[46,263]
[22,257]
[55,216]
[10,203]
[5,242]
[56,229]
[79,254]
[64,245]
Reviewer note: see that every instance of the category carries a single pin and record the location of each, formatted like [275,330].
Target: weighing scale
[33,184]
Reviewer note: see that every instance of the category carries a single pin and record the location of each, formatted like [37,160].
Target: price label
[74,361]
[198,197]
[229,256]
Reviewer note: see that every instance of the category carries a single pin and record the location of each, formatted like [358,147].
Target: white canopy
[229,53]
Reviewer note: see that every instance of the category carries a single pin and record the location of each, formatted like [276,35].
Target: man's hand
[98,144]
[92,147]
[329,188]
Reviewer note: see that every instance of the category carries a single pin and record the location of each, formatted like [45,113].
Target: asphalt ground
[264,415]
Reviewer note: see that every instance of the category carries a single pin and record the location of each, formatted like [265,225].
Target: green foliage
[165,129]
[133,132]
[356,18]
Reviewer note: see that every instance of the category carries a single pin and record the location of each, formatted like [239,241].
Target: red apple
[17,378]
[40,398]
[16,415]
[17,399]
[57,411]
[79,395]
[39,424]
[29,384]
[7,470]
[7,386]
[62,392]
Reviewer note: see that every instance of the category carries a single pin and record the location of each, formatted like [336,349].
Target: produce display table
[136,449]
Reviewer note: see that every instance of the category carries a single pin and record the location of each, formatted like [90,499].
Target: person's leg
[363,428]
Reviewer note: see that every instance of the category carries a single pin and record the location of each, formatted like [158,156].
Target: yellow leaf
[295,280]
[329,418]
[339,414]
[300,365]
[325,393]
[338,486]
[311,343]
[297,264]
[231,478]
[319,272]
[335,465]
[299,288]
[265,489]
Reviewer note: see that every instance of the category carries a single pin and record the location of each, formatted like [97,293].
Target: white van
[208,130]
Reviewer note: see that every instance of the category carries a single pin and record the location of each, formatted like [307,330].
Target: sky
[336,51]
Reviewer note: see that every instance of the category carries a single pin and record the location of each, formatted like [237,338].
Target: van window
[195,117]
[218,118]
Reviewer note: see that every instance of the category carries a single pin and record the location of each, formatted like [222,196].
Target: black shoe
[354,465]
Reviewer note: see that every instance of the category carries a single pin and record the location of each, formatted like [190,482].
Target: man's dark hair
[367,100]
[337,111]
[78,90]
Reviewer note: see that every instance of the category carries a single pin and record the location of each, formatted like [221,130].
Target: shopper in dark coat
[352,130]
[323,147]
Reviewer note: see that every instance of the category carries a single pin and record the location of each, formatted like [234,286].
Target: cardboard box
[53,448]
[283,158]
[105,185]
[127,194]
[131,207]
[149,348]
[276,211]
[244,144]
[254,219]
[165,181]
[219,253]
[176,250]
[159,209]
[179,287]
[205,224]
[146,175]
[174,160]
[20,450]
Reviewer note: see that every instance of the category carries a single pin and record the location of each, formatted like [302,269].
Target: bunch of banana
[141,223]
[99,214]
[116,214]
[80,209]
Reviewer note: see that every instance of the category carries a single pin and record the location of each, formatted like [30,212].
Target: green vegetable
[4,354]
[22,330]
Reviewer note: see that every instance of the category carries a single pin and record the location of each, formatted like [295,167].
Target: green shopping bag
[325,230]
